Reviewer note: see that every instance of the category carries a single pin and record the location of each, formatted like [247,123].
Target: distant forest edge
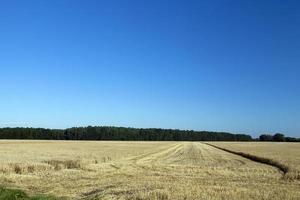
[130,134]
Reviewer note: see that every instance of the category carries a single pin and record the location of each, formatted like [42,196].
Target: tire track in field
[186,161]
[192,154]
[147,157]
[151,153]
[281,167]
[179,154]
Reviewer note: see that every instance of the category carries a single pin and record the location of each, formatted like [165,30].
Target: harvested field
[139,170]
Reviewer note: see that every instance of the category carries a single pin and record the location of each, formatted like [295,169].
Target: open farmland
[145,170]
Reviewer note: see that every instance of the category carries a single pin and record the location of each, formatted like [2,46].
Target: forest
[119,133]
[132,134]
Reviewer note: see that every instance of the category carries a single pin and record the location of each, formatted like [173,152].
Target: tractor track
[281,167]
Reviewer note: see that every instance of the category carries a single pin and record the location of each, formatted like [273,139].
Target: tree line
[132,134]
[278,137]
[119,133]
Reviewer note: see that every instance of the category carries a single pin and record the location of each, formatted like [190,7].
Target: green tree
[266,137]
[278,137]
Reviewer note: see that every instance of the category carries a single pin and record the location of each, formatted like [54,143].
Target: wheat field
[145,170]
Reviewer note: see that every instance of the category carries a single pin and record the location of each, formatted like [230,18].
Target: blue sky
[204,65]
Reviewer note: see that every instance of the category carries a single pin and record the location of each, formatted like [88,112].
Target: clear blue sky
[204,65]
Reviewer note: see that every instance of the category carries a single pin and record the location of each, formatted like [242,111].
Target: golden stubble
[144,170]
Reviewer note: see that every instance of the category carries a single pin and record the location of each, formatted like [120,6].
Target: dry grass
[140,170]
[65,164]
